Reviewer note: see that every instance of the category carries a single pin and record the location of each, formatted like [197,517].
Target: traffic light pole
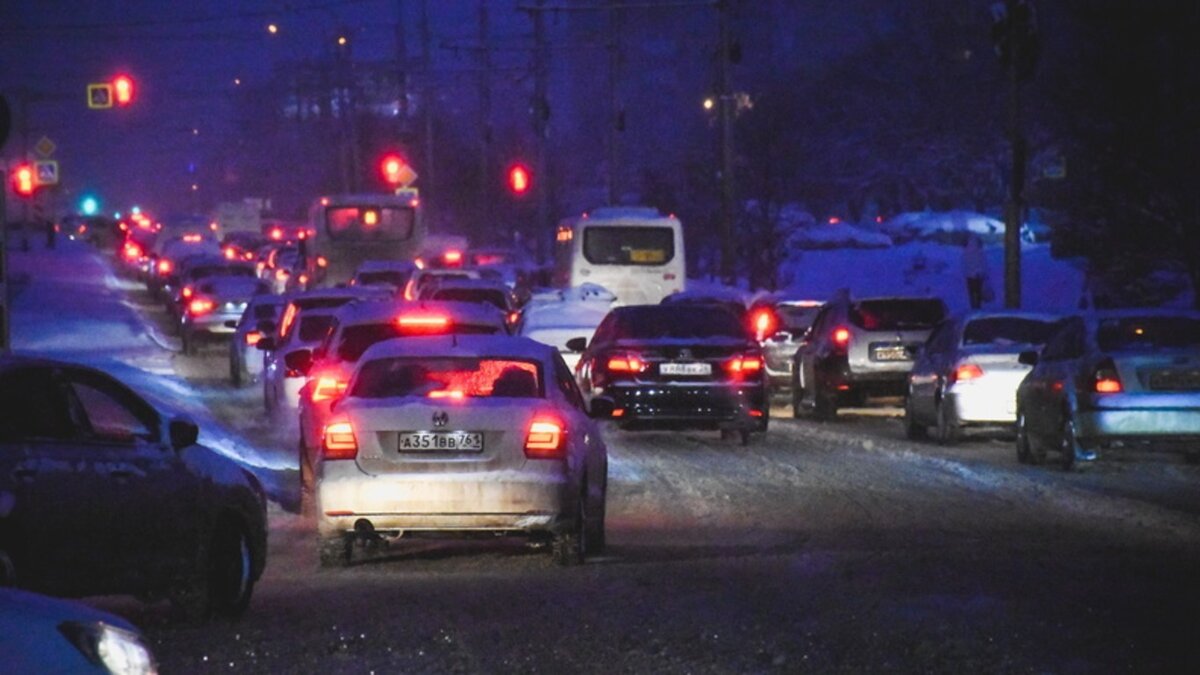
[4,301]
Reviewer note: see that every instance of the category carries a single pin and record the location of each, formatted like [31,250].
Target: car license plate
[441,441]
[891,353]
[685,369]
[1175,380]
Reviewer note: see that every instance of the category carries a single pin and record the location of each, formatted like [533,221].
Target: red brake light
[281,275]
[340,442]
[186,292]
[455,394]
[200,306]
[322,261]
[132,252]
[453,257]
[841,336]
[164,267]
[328,388]
[967,371]
[763,322]
[546,438]
[276,234]
[626,363]
[427,322]
[289,317]
[230,253]
[252,338]
[1107,380]
[513,318]
[741,365]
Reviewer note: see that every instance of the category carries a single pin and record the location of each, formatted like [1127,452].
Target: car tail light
[513,318]
[132,252]
[763,323]
[289,317]
[744,365]
[841,339]
[453,258]
[1107,380]
[230,254]
[281,275]
[200,306]
[434,323]
[322,261]
[453,394]
[186,292]
[340,442]
[546,439]
[248,255]
[328,388]
[625,363]
[965,372]
[276,234]
[252,338]
[164,267]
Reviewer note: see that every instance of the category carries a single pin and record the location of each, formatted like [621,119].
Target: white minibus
[634,252]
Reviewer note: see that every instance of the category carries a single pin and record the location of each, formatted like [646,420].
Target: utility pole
[401,65]
[725,111]
[616,114]
[485,107]
[427,98]
[541,117]
[5,344]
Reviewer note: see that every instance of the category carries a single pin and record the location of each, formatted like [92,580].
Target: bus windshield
[369,223]
[616,245]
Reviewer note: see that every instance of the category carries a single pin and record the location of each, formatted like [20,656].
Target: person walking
[974,265]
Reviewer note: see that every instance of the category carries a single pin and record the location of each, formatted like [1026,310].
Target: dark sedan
[676,366]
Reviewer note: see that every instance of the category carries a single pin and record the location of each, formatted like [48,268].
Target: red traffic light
[122,89]
[23,181]
[518,179]
[394,169]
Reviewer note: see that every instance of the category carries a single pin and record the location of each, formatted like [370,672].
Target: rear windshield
[1152,332]
[795,318]
[393,277]
[314,328]
[221,271]
[483,295]
[357,339]
[320,303]
[679,321]
[897,314]
[629,245]
[448,378]
[1007,330]
[369,223]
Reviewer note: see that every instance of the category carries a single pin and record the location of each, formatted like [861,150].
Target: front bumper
[529,500]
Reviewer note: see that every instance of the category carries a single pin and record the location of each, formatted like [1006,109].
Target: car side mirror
[601,408]
[1028,358]
[577,344]
[266,344]
[183,433]
[300,360]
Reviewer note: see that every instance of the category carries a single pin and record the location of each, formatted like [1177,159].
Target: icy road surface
[821,547]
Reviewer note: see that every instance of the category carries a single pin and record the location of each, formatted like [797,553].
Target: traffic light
[396,172]
[122,89]
[23,181]
[518,179]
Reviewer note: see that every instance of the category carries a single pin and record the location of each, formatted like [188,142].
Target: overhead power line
[212,18]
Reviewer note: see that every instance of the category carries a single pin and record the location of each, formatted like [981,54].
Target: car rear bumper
[685,405]
[527,501]
[983,405]
[1139,424]
[213,324]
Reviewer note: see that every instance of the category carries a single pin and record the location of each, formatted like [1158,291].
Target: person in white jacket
[974,265]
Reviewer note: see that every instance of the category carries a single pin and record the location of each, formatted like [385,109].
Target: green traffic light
[89,206]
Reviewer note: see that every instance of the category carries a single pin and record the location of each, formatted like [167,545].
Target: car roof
[386,266]
[483,284]
[461,312]
[501,346]
[1011,314]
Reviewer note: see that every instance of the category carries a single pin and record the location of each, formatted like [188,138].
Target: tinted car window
[897,314]
[676,321]
[108,418]
[796,319]
[484,295]
[31,406]
[357,339]
[391,277]
[448,377]
[313,328]
[1007,330]
[1158,332]
[628,245]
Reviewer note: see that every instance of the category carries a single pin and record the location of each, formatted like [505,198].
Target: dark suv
[860,348]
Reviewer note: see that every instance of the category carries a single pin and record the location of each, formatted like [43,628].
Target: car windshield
[897,314]
[313,328]
[1149,332]
[679,321]
[1005,330]
[481,377]
[358,338]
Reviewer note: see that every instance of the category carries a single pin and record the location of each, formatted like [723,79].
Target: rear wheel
[594,525]
[824,404]
[225,581]
[307,484]
[913,430]
[1068,445]
[947,427]
[797,394]
[235,369]
[569,546]
[1029,450]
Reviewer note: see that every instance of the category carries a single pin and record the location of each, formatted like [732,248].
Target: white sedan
[462,434]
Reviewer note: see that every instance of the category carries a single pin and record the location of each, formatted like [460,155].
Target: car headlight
[119,651]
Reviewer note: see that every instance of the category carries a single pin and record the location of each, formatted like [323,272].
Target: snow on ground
[67,304]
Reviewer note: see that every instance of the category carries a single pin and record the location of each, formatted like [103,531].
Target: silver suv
[860,348]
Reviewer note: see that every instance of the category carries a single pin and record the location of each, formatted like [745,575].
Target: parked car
[967,372]
[856,349]
[39,634]
[778,322]
[108,494]
[1116,377]
[258,320]
[676,366]
[358,326]
[214,306]
[462,435]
